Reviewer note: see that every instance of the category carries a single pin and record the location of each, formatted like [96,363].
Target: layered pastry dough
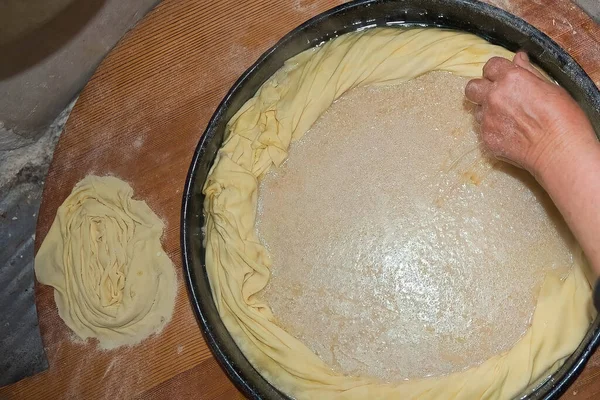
[259,136]
[112,280]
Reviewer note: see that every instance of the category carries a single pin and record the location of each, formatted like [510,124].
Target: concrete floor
[592,7]
[65,41]
[21,350]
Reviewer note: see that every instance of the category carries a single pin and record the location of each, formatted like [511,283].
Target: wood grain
[140,118]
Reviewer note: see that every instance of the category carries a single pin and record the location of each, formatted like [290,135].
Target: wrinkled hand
[524,119]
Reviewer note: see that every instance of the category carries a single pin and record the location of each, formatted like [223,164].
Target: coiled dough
[112,280]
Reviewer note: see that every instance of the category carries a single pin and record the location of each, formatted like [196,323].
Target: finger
[496,68]
[522,60]
[477,90]
[478,114]
[508,161]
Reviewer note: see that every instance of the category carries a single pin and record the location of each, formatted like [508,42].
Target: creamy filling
[399,249]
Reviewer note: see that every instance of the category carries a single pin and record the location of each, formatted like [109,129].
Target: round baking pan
[491,23]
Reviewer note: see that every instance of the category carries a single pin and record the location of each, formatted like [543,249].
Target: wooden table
[140,118]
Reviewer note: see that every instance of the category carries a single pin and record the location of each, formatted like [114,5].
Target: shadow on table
[34,46]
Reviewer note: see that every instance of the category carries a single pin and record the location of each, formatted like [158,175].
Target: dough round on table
[112,280]
[259,136]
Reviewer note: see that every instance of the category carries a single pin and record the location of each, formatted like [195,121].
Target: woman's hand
[530,122]
[524,119]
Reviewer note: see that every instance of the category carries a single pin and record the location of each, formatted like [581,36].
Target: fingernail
[524,56]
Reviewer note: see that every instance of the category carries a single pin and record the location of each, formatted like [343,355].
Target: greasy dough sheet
[238,266]
[112,279]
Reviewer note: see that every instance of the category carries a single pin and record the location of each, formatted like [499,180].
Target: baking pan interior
[486,21]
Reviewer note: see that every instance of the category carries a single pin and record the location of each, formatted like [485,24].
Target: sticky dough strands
[103,256]
[259,135]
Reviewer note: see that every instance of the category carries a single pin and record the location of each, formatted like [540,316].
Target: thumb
[522,60]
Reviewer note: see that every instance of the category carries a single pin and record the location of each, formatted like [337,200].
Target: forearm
[572,179]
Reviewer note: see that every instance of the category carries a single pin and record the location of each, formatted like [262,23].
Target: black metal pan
[491,23]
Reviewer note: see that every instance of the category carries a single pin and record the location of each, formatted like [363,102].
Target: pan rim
[241,373]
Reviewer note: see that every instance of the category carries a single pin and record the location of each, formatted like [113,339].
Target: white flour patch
[139,142]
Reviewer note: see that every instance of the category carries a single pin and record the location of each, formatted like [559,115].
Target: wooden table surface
[140,118]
